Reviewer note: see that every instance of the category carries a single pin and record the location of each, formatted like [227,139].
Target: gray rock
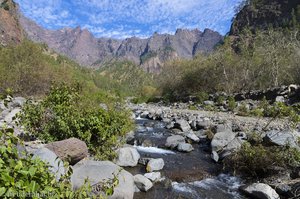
[127,156]
[280,99]
[234,145]
[185,147]
[221,139]
[11,115]
[18,102]
[204,124]
[191,135]
[101,171]
[215,156]
[210,103]
[281,138]
[71,150]
[48,156]
[155,165]
[183,125]
[143,183]
[154,176]
[260,190]
[144,161]
[174,140]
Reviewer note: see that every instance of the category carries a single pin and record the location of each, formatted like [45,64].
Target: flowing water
[187,175]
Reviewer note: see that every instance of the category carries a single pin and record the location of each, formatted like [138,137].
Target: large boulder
[261,191]
[127,157]
[185,147]
[173,141]
[192,136]
[182,124]
[153,176]
[281,138]
[98,172]
[71,150]
[143,183]
[221,139]
[56,164]
[9,118]
[155,165]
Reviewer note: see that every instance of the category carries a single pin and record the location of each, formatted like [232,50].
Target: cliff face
[150,53]
[10,29]
[266,13]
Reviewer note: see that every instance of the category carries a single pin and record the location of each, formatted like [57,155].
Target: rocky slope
[266,13]
[151,53]
[10,29]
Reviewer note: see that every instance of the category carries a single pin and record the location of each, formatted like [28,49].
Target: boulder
[154,176]
[204,124]
[174,140]
[185,147]
[127,157]
[182,124]
[155,165]
[18,102]
[221,139]
[281,138]
[215,156]
[9,118]
[223,127]
[143,183]
[71,150]
[192,136]
[261,191]
[98,172]
[56,164]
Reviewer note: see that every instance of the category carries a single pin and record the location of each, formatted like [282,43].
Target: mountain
[10,29]
[150,53]
[264,14]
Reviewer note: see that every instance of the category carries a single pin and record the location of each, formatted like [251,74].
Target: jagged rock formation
[266,13]
[10,29]
[151,53]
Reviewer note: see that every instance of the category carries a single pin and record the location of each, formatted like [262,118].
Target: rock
[281,138]
[9,118]
[143,183]
[144,114]
[71,150]
[261,191]
[130,138]
[221,139]
[18,102]
[101,171]
[223,127]
[155,165]
[234,145]
[280,99]
[204,124]
[174,140]
[210,103]
[177,132]
[183,125]
[48,156]
[215,156]
[154,176]
[127,156]
[144,161]
[192,136]
[185,147]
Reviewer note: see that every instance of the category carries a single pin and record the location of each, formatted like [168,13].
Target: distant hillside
[262,14]
[10,29]
[150,53]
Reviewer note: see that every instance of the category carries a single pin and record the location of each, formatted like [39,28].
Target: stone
[183,125]
[18,102]
[234,145]
[221,139]
[281,138]
[127,157]
[215,156]
[223,127]
[173,141]
[9,118]
[48,156]
[185,147]
[209,103]
[144,161]
[279,99]
[143,183]
[71,150]
[260,190]
[192,136]
[153,176]
[155,165]
[98,172]
[204,124]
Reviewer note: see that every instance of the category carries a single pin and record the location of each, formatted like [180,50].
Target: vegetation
[66,113]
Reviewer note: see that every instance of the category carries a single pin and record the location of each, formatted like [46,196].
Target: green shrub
[243,110]
[258,160]
[65,113]
[231,104]
[201,97]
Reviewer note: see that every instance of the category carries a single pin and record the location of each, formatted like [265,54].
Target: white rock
[154,176]
[185,147]
[262,191]
[143,183]
[155,165]
[127,156]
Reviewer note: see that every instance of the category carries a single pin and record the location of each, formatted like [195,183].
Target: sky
[127,18]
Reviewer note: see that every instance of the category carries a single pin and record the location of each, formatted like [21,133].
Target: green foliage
[66,113]
[231,104]
[258,160]
[5,5]
[243,110]
[148,56]
[201,97]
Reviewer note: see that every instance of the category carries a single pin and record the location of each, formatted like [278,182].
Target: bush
[65,113]
[258,160]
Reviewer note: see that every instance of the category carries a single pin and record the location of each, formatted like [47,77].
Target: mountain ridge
[150,53]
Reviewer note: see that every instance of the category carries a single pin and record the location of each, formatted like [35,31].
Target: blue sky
[127,18]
